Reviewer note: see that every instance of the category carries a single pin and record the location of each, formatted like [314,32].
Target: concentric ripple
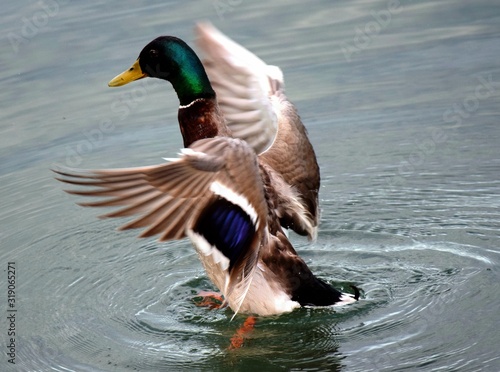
[412,293]
[127,304]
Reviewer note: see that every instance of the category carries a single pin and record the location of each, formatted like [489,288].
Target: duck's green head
[169,58]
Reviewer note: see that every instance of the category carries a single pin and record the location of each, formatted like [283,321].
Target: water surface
[402,106]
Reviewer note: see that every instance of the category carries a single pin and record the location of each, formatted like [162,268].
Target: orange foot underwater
[239,337]
[212,300]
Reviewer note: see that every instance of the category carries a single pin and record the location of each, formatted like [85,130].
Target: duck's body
[227,199]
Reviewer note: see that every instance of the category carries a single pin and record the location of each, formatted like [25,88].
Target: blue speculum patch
[227,227]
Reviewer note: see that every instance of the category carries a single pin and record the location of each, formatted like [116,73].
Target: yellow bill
[133,73]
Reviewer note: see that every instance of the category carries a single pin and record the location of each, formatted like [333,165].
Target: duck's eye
[153,53]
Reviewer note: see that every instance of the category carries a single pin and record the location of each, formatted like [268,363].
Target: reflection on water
[403,122]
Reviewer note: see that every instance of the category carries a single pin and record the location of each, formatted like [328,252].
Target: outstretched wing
[243,83]
[251,96]
[213,193]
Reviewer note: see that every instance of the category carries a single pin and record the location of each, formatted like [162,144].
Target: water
[402,105]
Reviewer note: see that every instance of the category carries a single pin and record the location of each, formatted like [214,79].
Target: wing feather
[168,199]
[251,96]
[243,83]
[150,201]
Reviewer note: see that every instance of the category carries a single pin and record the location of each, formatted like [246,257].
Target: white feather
[237,199]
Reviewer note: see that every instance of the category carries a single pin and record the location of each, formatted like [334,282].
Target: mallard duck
[252,98]
[219,193]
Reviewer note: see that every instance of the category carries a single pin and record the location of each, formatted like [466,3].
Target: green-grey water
[401,100]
